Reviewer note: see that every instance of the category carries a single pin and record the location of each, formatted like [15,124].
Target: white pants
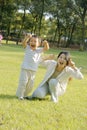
[41,92]
[53,88]
[26,82]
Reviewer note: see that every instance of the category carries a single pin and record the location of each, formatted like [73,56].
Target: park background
[64,25]
[70,113]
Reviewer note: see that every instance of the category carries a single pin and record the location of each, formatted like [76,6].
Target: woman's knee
[38,94]
[52,82]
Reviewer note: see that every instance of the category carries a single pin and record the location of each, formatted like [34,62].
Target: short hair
[33,36]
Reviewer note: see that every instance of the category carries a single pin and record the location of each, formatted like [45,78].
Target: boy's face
[33,43]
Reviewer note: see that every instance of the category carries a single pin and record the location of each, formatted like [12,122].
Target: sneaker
[28,97]
[21,98]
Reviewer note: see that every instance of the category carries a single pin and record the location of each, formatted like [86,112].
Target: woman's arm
[72,64]
[74,71]
[49,57]
[46,63]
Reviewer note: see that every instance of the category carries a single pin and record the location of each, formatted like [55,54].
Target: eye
[61,57]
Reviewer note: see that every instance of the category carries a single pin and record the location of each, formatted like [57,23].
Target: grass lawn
[70,113]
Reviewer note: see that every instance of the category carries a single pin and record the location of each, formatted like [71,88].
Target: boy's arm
[24,42]
[45,45]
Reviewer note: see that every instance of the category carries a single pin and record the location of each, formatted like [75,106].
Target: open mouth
[33,46]
[61,63]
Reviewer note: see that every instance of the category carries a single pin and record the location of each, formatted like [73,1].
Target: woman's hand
[72,64]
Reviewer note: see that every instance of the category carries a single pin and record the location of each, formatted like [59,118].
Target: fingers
[44,43]
[71,63]
[29,36]
[52,56]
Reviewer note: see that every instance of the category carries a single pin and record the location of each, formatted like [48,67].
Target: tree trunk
[41,16]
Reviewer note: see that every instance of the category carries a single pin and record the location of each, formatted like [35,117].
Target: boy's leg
[30,83]
[22,84]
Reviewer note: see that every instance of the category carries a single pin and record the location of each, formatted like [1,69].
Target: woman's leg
[55,89]
[41,92]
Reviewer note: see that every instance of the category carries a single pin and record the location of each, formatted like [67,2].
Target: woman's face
[33,43]
[62,60]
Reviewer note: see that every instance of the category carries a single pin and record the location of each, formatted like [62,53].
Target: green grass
[70,113]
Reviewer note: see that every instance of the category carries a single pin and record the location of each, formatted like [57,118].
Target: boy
[30,64]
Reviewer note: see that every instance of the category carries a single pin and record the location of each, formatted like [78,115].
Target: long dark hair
[67,56]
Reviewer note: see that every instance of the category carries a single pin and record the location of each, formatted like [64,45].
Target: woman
[57,77]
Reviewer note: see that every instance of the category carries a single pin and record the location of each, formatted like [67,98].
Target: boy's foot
[28,98]
[21,98]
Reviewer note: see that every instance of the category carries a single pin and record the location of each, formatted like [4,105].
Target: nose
[62,58]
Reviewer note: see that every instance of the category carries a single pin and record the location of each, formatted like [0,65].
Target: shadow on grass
[5,96]
[34,98]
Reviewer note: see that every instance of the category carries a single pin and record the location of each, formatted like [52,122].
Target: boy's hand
[24,43]
[29,36]
[46,45]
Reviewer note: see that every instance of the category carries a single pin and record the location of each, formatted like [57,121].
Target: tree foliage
[54,19]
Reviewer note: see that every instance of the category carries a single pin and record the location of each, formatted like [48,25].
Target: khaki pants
[26,82]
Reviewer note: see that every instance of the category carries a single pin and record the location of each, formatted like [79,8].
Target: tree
[80,7]
[8,9]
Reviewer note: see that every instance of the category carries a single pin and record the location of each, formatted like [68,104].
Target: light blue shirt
[31,58]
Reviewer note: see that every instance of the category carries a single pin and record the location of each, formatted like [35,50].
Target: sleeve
[47,63]
[40,50]
[75,73]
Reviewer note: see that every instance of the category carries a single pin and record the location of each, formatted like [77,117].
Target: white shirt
[31,58]
[63,77]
